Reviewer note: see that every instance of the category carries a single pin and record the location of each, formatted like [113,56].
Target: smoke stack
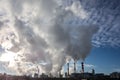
[82,64]
[38,70]
[68,68]
[60,73]
[74,66]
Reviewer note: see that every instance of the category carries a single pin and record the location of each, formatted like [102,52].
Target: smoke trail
[80,44]
[42,35]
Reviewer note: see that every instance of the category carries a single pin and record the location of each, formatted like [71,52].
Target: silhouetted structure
[36,75]
[82,64]
[93,72]
[115,75]
[68,68]
[74,66]
[73,76]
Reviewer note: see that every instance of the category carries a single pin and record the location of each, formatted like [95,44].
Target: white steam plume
[41,35]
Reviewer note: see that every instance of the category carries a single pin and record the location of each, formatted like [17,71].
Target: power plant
[68,76]
[36,41]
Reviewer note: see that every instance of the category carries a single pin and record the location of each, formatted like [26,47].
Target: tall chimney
[82,64]
[38,70]
[60,73]
[68,69]
[74,66]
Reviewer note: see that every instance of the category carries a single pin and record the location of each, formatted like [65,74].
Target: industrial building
[73,76]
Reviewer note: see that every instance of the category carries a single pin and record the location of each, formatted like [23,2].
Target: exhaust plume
[41,35]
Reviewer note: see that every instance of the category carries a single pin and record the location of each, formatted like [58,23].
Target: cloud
[106,17]
[34,42]
[117,69]
[89,65]
[86,65]
[33,39]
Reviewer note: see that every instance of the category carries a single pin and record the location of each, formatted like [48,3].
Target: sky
[105,59]
[101,59]
[51,32]
[105,54]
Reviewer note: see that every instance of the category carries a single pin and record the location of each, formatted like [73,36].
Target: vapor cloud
[42,35]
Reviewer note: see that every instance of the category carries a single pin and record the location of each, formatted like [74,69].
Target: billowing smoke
[42,35]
